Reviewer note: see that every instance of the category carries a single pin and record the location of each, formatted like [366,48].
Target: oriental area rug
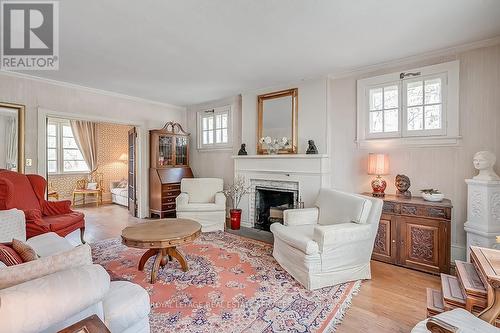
[233,285]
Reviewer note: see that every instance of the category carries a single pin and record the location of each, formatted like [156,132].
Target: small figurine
[484,162]
[403,184]
[312,148]
[242,150]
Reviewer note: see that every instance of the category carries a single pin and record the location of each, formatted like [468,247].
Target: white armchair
[331,243]
[202,200]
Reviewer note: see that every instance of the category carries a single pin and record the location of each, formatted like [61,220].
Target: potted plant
[234,193]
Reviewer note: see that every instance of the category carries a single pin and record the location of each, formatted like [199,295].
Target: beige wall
[444,168]
[112,141]
[215,163]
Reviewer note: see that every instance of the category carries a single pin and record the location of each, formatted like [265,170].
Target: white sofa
[331,243]
[119,195]
[63,287]
[202,200]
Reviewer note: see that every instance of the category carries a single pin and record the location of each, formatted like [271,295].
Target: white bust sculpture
[484,162]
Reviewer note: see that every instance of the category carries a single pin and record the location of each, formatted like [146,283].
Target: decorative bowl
[433,197]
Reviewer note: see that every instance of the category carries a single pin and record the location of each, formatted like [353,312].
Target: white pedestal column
[483,213]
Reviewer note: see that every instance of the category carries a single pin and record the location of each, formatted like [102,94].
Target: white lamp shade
[378,164]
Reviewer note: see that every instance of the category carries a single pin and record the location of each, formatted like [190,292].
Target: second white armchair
[331,243]
[202,200]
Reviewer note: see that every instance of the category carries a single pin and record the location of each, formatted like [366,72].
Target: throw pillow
[9,256]
[25,251]
[122,184]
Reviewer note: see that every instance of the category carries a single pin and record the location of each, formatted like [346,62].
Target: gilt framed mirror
[12,133]
[277,120]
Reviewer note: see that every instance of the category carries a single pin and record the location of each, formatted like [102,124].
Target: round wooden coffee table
[161,237]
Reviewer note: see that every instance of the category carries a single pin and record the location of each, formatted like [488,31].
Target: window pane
[414,93]
[74,166]
[52,166]
[67,131]
[415,119]
[69,143]
[211,123]
[390,97]
[224,120]
[433,117]
[51,129]
[205,137]
[224,135]
[376,122]
[218,136]
[218,121]
[52,154]
[210,137]
[51,142]
[433,91]
[391,120]
[376,99]
[72,154]
[205,124]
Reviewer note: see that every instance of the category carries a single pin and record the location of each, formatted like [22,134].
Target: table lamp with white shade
[378,164]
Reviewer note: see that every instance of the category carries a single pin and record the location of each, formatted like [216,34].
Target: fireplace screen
[270,204]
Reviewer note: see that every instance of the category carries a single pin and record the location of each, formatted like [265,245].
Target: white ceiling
[189,51]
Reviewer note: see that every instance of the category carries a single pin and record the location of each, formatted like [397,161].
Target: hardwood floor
[393,301]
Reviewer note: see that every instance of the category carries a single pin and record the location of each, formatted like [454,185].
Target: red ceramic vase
[235,218]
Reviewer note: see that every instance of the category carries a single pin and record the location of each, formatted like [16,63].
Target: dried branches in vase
[235,193]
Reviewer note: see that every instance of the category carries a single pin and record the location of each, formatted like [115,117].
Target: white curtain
[11,143]
[85,133]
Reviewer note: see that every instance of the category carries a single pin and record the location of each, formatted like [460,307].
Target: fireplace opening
[270,204]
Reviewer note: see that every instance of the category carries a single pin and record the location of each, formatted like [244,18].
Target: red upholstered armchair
[27,193]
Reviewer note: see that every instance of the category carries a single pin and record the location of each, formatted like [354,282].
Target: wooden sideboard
[414,233]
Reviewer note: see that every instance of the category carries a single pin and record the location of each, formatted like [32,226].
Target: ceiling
[190,51]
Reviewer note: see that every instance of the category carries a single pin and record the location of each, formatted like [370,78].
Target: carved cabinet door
[422,244]
[384,248]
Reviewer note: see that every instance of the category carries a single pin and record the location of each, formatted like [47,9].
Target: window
[63,154]
[415,106]
[214,128]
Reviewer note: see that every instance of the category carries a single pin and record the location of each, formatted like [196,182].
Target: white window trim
[449,135]
[199,130]
[60,150]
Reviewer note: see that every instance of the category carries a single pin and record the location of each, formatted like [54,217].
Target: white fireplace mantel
[310,171]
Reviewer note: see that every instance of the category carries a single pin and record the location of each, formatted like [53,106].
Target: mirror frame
[294,93]
[20,132]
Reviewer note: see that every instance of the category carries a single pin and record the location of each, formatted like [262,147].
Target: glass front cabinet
[169,164]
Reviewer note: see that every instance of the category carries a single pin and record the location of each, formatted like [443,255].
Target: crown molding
[415,58]
[91,90]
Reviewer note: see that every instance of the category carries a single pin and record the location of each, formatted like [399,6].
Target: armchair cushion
[339,207]
[336,234]
[201,190]
[304,216]
[299,237]
[200,207]
[55,297]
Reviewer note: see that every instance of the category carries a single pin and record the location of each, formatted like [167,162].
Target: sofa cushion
[201,190]
[200,207]
[122,192]
[48,244]
[299,237]
[13,275]
[339,207]
[25,251]
[12,225]
[9,256]
[124,305]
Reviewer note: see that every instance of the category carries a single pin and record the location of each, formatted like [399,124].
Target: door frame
[141,149]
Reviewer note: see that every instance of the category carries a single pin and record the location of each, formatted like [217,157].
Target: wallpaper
[112,141]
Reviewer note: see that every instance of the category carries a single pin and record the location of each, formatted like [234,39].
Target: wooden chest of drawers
[415,233]
[165,186]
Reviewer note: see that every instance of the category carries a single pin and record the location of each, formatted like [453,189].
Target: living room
[319,166]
